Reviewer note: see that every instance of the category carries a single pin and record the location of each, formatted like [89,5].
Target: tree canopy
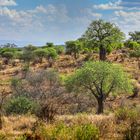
[101,34]
[100,79]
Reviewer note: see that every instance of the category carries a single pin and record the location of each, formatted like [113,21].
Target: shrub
[86,132]
[126,113]
[52,53]
[133,132]
[40,53]
[61,131]
[135,53]
[132,45]
[2,136]
[19,105]
[59,49]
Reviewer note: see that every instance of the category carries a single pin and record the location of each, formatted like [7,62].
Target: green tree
[101,34]
[8,55]
[60,49]
[40,53]
[100,79]
[28,54]
[73,48]
[135,36]
[51,55]
[49,44]
[132,44]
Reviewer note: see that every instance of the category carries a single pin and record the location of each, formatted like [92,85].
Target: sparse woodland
[87,89]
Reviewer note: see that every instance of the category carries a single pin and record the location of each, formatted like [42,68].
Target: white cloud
[8,3]
[109,6]
[92,13]
[128,20]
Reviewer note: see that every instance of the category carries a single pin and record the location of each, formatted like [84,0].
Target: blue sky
[39,21]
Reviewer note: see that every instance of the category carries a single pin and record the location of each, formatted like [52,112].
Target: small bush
[133,132]
[19,105]
[126,113]
[63,132]
[59,49]
[2,136]
[135,53]
[86,132]
[132,45]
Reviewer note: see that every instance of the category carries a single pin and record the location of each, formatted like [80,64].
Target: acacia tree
[73,48]
[135,36]
[100,79]
[40,53]
[101,34]
[51,55]
[28,54]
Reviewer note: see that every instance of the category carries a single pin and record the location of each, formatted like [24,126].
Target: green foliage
[40,52]
[135,53]
[125,113]
[114,46]
[100,75]
[86,132]
[135,36]
[73,47]
[3,50]
[132,45]
[62,131]
[51,53]
[99,79]
[49,44]
[19,105]
[28,54]
[101,34]
[59,49]
[8,55]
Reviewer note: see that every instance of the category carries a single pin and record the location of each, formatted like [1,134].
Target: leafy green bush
[132,45]
[59,49]
[86,132]
[51,53]
[61,131]
[135,53]
[19,105]
[8,55]
[126,113]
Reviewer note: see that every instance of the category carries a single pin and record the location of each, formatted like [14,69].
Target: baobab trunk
[100,108]
[102,53]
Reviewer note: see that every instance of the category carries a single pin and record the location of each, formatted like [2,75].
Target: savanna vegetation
[87,89]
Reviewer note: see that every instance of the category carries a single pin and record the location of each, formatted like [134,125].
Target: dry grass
[14,126]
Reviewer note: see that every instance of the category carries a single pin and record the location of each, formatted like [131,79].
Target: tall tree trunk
[100,109]
[102,53]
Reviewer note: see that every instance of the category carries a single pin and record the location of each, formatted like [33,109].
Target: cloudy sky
[40,21]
